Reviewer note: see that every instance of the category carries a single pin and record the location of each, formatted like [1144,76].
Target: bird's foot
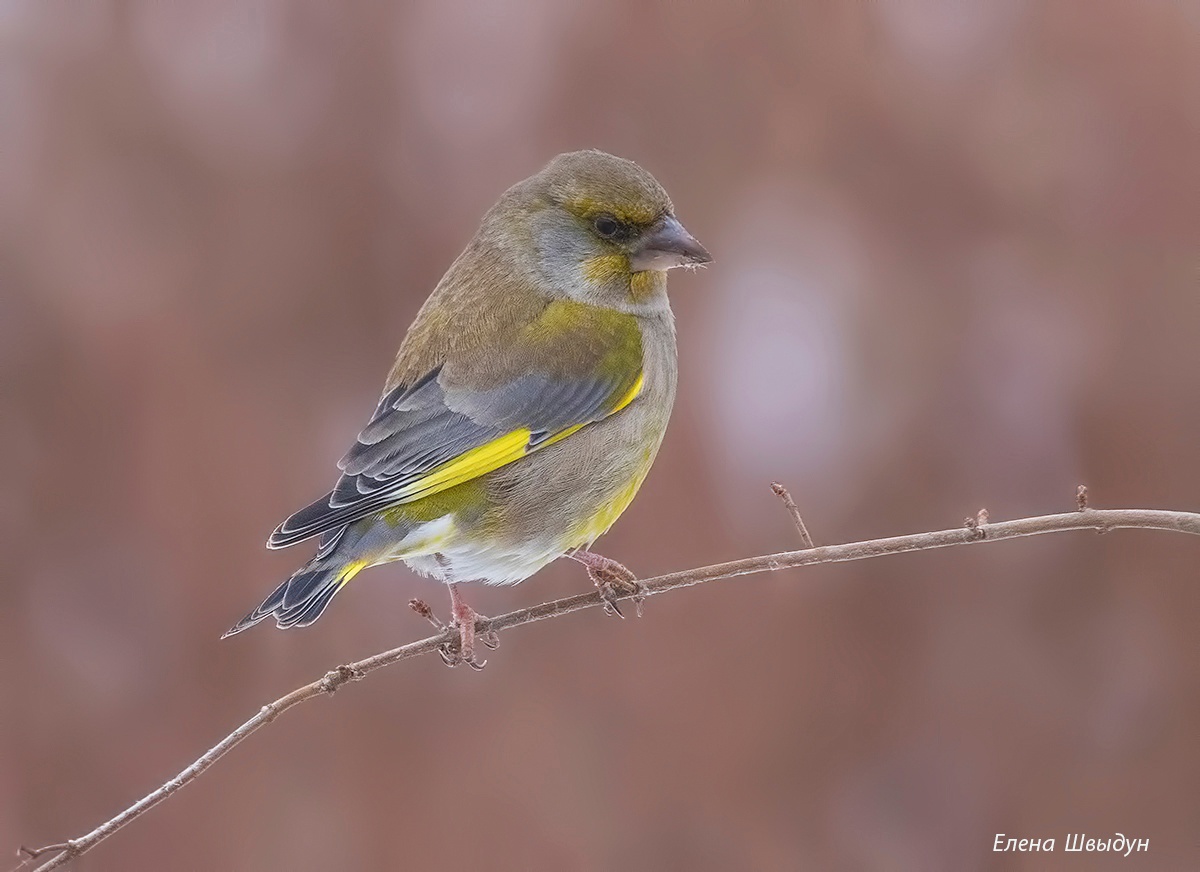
[613,581]
[465,620]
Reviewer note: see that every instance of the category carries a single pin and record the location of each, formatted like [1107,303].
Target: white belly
[436,550]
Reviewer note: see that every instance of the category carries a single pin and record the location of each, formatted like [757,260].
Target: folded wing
[473,414]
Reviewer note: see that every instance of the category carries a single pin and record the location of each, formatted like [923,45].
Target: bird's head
[603,230]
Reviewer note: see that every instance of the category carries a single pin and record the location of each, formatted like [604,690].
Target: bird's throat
[644,285]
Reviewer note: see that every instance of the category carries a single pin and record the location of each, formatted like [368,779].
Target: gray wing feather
[418,428]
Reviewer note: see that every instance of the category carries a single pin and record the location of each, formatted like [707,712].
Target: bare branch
[794,511]
[977,529]
[34,853]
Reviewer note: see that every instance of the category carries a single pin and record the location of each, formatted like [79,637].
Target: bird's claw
[453,654]
[475,663]
[614,581]
[460,650]
[451,658]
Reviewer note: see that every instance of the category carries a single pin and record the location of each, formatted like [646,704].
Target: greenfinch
[526,404]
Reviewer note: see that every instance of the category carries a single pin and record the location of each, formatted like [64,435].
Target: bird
[525,406]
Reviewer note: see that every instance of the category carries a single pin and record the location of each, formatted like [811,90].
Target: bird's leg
[612,580]
[463,618]
[450,655]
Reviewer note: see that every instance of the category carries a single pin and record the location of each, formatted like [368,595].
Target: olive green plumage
[527,401]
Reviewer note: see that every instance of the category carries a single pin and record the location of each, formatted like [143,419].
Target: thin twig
[794,511]
[1102,520]
[34,853]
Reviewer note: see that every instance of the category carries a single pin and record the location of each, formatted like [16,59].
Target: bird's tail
[302,598]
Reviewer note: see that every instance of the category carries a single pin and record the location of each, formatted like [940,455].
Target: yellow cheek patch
[609,269]
[643,284]
[606,268]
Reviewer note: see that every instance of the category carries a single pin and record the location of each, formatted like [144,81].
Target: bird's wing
[473,413]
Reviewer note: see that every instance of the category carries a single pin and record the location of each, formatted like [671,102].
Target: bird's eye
[607,226]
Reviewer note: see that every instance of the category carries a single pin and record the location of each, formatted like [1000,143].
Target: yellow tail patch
[352,569]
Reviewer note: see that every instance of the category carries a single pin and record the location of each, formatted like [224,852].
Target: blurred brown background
[956,267]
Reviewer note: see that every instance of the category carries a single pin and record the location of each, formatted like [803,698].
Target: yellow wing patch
[632,395]
[470,464]
[492,455]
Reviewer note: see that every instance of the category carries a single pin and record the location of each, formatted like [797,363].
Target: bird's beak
[665,246]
